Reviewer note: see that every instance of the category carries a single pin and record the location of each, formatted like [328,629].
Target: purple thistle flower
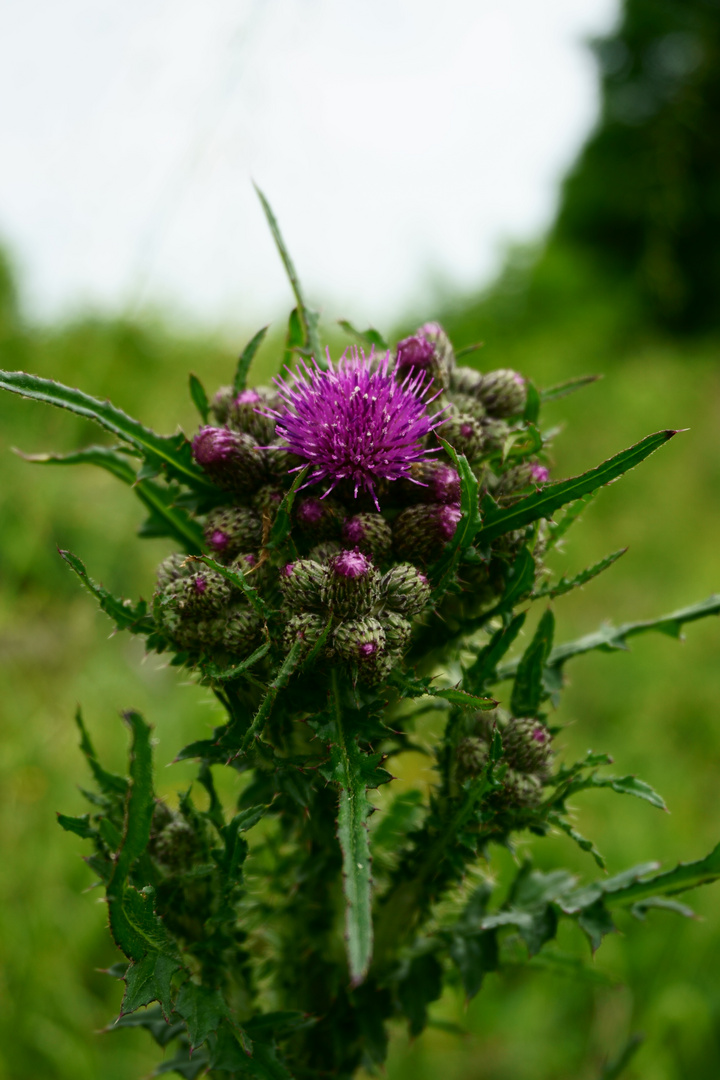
[351,564]
[355,421]
[539,474]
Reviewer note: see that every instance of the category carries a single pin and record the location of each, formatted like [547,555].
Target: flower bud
[302,583]
[521,789]
[240,631]
[203,592]
[428,350]
[468,405]
[464,433]
[318,519]
[465,380]
[232,459]
[527,746]
[376,668]
[247,412]
[307,627]
[494,432]
[421,532]
[323,551]
[230,530]
[397,630]
[280,461]
[181,630]
[359,641]
[177,846]
[503,392]
[405,589]
[368,532]
[521,476]
[471,755]
[171,569]
[220,405]
[267,499]
[352,585]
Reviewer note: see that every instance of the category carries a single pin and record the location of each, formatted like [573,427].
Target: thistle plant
[358,543]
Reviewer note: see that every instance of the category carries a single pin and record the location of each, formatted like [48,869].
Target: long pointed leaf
[444,571]
[126,617]
[566,585]
[172,451]
[308,318]
[239,580]
[246,358]
[528,691]
[561,390]
[551,497]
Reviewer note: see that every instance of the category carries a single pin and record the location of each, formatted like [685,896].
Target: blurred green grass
[655,708]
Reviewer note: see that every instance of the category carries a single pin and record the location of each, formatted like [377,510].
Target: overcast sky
[401,143]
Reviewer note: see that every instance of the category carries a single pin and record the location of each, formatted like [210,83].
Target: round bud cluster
[405,590]
[352,584]
[526,753]
[302,583]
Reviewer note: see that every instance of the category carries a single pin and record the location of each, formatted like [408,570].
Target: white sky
[400,142]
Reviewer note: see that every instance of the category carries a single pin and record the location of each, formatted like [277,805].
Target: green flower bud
[405,589]
[421,532]
[181,631]
[471,755]
[397,630]
[243,414]
[240,630]
[352,585]
[494,433]
[368,532]
[468,405]
[503,392]
[266,500]
[171,569]
[521,789]
[177,846]
[429,351]
[231,530]
[307,627]
[232,459]
[201,593]
[220,405]
[465,380]
[318,519]
[302,583]
[430,481]
[377,668]
[527,746]
[465,434]
[359,641]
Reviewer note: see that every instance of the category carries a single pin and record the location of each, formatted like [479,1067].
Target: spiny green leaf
[149,980]
[123,615]
[109,783]
[396,821]
[370,336]
[640,909]
[610,639]
[468,349]
[81,826]
[172,451]
[528,691]
[551,497]
[566,585]
[444,571]
[412,687]
[237,578]
[532,404]
[141,803]
[617,1066]
[231,738]
[518,586]
[684,876]
[309,319]
[168,520]
[474,954]
[202,1009]
[246,358]
[199,397]
[582,842]
[420,987]
[185,1064]
[218,674]
[561,390]
[153,1021]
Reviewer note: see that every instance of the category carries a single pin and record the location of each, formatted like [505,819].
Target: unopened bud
[464,433]
[521,789]
[352,585]
[397,630]
[359,641]
[467,405]
[171,569]
[465,380]
[318,519]
[421,532]
[428,350]
[302,583]
[471,755]
[405,589]
[368,532]
[220,406]
[324,551]
[306,628]
[521,476]
[232,459]
[494,433]
[247,412]
[267,499]
[231,530]
[203,592]
[177,846]
[442,482]
[502,392]
[240,630]
[527,746]
[377,668]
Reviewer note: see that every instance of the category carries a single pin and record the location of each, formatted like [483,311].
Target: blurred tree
[644,195]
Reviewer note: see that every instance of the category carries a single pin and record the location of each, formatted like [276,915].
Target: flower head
[356,422]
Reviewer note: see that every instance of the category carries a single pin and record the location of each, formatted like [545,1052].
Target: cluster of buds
[526,753]
[383,501]
[364,615]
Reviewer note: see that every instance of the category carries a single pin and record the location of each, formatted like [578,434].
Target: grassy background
[654,708]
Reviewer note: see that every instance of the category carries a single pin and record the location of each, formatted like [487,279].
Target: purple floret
[351,564]
[356,421]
